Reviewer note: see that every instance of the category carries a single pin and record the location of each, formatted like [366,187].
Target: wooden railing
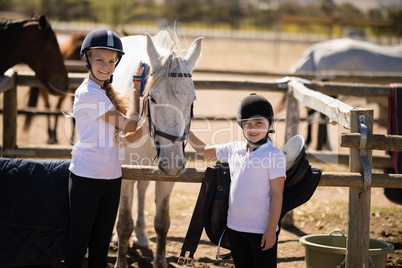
[359,179]
[361,141]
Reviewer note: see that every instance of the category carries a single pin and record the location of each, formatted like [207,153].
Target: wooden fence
[360,140]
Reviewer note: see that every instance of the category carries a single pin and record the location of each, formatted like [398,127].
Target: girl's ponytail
[119,101]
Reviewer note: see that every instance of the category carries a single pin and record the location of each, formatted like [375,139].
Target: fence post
[10,116]
[292,128]
[357,254]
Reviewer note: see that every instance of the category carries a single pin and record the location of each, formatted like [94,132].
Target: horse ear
[194,53]
[152,52]
[43,22]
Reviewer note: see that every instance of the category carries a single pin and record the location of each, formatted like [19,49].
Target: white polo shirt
[94,155]
[251,173]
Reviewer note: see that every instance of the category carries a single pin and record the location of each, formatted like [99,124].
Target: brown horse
[33,42]
[70,50]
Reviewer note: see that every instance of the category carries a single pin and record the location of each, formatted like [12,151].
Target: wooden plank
[351,77]
[351,89]
[333,158]
[64,152]
[10,116]
[333,108]
[75,66]
[335,179]
[357,251]
[292,116]
[238,84]
[40,152]
[153,174]
[27,78]
[37,111]
[7,80]
[292,129]
[384,78]
[328,179]
[354,179]
[374,142]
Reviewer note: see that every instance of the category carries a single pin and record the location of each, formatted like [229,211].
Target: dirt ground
[327,209]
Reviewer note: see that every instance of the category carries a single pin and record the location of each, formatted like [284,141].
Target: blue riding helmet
[102,39]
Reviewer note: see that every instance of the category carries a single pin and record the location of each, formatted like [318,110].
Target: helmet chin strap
[257,144]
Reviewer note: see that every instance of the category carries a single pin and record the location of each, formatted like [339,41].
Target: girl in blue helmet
[95,169]
[258,171]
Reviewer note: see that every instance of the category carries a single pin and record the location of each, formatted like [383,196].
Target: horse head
[169,98]
[33,42]
[44,42]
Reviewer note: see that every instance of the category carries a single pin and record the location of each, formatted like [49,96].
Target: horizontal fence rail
[27,78]
[196,175]
[64,152]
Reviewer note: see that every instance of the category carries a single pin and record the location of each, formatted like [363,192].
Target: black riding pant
[94,204]
[247,252]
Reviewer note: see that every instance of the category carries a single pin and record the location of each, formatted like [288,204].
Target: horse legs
[322,133]
[125,223]
[162,221]
[322,137]
[53,132]
[310,113]
[32,103]
[142,239]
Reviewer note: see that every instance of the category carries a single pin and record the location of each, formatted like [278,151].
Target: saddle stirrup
[224,256]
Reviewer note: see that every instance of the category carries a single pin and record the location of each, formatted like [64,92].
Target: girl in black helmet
[258,171]
[95,177]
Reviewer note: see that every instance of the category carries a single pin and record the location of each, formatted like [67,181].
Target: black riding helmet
[255,107]
[101,38]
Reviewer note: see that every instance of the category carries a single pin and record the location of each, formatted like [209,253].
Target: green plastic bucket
[330,251]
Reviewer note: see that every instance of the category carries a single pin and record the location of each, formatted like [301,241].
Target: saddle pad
[34,211]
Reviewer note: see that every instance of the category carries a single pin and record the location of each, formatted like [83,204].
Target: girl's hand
[268,240]
[137,83]
[131,137]
[134,102]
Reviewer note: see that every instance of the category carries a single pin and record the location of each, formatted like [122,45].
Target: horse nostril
[162,165]
[162,169]
[184,165]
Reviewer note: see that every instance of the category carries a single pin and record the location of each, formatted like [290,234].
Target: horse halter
[155,132]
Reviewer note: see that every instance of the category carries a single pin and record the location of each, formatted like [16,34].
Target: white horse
[167,105]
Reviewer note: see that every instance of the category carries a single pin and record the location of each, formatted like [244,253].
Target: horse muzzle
[171,164]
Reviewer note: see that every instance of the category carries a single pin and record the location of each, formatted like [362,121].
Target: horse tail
[32,103]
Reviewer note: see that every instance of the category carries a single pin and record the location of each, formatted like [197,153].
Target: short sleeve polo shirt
[251,173]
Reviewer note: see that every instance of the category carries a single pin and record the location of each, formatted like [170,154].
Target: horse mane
[5,24]
[168,46]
